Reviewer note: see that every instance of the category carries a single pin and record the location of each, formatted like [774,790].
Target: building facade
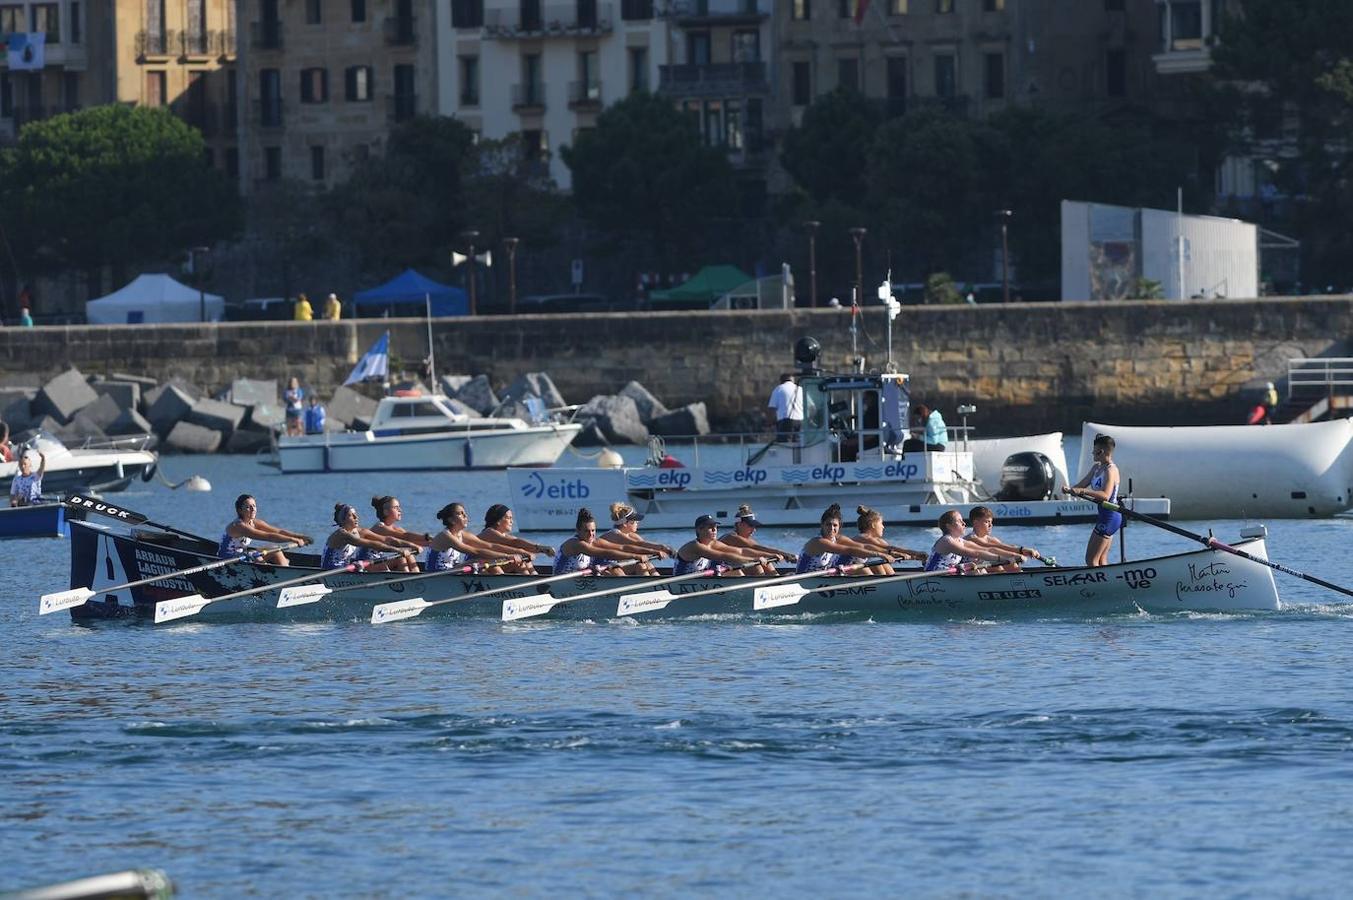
[62,82]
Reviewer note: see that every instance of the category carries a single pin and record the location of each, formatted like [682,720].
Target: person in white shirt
[786,408]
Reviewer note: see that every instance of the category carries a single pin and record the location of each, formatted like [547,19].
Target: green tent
[706,286]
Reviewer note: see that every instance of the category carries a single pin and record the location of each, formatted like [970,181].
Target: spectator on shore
[314,416]
[302,312]
[332,308]
[25,318]
[294,398]
[1270,402]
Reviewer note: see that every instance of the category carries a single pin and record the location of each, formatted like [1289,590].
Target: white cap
[333,296]
[1269,385]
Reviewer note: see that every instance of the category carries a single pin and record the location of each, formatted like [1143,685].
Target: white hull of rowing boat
[364,451]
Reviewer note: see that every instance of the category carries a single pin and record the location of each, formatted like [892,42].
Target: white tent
[154,298]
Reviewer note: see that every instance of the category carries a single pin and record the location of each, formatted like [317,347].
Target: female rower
[249,527]
[829,548]
[740,538]
[498,532]
[625,533]
[389,512]
[952,550]
[584,550]
[454,545]
[26,487]
[870,527]
[706,550]
[1100,484]
[351,542]
[981,519]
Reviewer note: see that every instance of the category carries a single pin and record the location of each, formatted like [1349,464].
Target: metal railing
[740,75]
[555,19]
[1311,376]
[530,95]
[153,43]
[702,8]
[584,93]
[194,43]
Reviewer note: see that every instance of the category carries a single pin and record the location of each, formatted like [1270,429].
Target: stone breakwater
[1028,367]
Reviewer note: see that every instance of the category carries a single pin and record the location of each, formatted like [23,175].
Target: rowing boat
[1203,580]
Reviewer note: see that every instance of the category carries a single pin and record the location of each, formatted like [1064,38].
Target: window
[270,97]
[531,17]
[535,145]
[898,7]
[993,5]
[803,83]
[357,86]
[232,162]
[848,73]
[946,75]
[632,10]
[848,9]
[75,25]
[272,163]
[733,127]
[801,10]
[697,48]
[590,87]
[469,81]
[317,162]
[746,46]
[359,10]
[1115,72]
[47,18]
[157,92]
[314,85]
[994,82]
[6,96]
[70,90]
[638,69]
[533,90]
[467,13]
[944,6]
[897,86]
[314,12]
[11,20]
[714,123]
[406,99]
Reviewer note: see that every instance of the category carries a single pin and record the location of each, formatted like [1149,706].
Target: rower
[389,512]
[705,550]
[829,548]
[981,519]
[498,532]
[350,543]
[249,527]
[952,550]
[454,545]
[625,533]
[584,550]
[869,524]
[740,538]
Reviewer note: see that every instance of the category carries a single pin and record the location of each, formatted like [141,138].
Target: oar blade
[179,607]
[528,607]
[778,595]
[50,603]
[382,613]
[648,601]
[299,596]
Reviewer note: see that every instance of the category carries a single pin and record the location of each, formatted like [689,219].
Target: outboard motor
[1027,476]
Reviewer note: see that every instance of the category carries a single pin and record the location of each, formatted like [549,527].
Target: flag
[861,7]
[26,52]
[375,365]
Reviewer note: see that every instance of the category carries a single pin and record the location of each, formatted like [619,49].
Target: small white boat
[1294,471]
[424,432]
[105,466]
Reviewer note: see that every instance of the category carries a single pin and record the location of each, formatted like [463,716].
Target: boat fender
[149,471]
[408,392]
[671,462]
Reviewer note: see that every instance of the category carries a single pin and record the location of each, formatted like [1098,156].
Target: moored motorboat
[38,520]
[1204,579]
[104,466]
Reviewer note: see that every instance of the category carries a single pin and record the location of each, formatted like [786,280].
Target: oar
[790,594]
[651,601]
[127,516]
[407,609]
[1218,545]
[312,593]
[538,606]
[50,603]
[181,607]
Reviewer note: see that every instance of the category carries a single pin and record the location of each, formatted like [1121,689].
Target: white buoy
[609,459]
[197,483]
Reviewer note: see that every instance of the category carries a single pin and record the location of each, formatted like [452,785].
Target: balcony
[193,43]
[223,44]
[636,10]
[528,97]
[400,31]
[548,20]
[401,107]
[265,35]
[1187,32]
[712,79]
[718,12]
[153,43]
[584,94]
[268,113]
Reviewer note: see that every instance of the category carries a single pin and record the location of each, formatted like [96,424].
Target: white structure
[1106,250]
[155,298]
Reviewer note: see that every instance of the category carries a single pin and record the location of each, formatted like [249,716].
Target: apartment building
[61,84]
[326,80]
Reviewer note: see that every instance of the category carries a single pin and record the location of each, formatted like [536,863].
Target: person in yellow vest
[303,311]
[332,308]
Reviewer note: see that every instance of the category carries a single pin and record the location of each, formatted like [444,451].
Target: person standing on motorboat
[981,519]
[26,488]
[785,409]
[585,551]
[705,550]
[454,545]
[350,542]
[498,532]
[625,533]
[1100,485]
[829,548]
[248,527]
[294,399]
[870,535]
[953,550]
[740,538]
[936,432]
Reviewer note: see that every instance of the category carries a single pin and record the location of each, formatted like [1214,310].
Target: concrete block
[127,394]
[457,407]
[224,417]
[16,408]
[360,423]
[451,384]
[512,409]
[649,407]
[617,417]
[347,405]
[691,419]
[249,392]
[537,384]
[150,397]
[169,405]
[478,394]
[130,422]
[247,440]
[102,412]
[81,430]
[590,436]
[142,381]
[185,437]
[265,416]
[64,396]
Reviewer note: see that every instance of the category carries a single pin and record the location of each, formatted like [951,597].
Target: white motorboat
[850,452]
[424,432]
[101,466]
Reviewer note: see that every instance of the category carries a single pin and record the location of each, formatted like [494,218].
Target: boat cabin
[847,418]
[397,416]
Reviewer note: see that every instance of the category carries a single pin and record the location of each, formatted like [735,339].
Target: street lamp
[470,236]
[1004,215]
[812,226]
[511,244]
[193,254]
[858,234]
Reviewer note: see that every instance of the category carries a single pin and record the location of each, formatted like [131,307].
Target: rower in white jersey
[248,527]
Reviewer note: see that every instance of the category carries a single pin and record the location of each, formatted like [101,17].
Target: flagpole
[432,353]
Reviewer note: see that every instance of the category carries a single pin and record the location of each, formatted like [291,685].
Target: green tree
[644,170]
[827,154]
[111,185]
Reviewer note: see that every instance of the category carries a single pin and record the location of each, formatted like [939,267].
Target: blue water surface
[1125,756]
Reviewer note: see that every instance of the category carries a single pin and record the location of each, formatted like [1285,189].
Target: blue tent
[411,287]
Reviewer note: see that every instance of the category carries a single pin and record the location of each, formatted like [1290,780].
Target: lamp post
[193,269]
[858,234]
[812,226]
[471,236]
[1004,215]
[511,244]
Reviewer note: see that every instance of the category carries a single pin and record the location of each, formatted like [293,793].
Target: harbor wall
[1027,367]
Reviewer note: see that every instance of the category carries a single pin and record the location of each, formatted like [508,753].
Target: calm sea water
[1128,755]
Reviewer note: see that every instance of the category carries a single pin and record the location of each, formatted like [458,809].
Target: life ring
[408,392]
[149,471]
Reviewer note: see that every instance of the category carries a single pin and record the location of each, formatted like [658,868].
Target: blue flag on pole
[25,51]
[375,365]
